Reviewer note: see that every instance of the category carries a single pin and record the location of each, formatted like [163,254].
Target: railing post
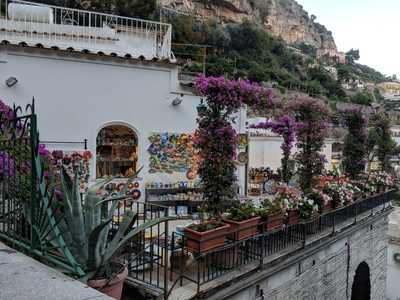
[166,257]
[172,253]
[304,233]
[198,278]
[333,222]
[34,139]
[356,212]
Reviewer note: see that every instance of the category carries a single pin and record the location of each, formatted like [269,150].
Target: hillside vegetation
[246,51]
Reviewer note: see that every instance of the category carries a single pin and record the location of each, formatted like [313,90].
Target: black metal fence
[17,180]
[269,245]
[146,255]
[28,216]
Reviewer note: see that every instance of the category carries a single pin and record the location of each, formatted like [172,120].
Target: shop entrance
[361,289]
[117,151]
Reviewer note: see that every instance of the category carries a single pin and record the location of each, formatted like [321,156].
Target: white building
[93,75]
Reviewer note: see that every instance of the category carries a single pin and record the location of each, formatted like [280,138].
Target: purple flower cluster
[285,126]
[5,110]
[215,137]
[230,95]
[6,165]
[312,116]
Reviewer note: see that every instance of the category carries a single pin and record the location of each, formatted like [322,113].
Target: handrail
[87,11]
[29,23]
[220,261]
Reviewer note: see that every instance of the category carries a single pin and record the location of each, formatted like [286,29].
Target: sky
[372,26]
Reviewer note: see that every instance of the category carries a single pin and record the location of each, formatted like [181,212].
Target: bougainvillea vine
[355,145]
[286,127]
[312,116]
[216,138]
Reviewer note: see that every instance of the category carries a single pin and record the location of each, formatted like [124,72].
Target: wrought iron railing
[270,245]
[53,26]
[29,215]
[147,254]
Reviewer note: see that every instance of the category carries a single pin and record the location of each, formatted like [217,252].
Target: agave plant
[88,221]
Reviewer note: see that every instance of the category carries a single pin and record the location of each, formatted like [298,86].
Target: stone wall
[329,273]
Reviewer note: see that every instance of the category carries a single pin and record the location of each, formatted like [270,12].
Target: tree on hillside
[362,97]
[353,55]
[381,143]
[135,8]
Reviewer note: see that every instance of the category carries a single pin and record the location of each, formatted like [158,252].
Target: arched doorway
[361,289]
[116,151]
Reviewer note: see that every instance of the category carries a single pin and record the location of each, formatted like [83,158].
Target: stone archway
[361,289]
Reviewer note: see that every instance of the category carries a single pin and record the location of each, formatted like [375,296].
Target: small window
[117,151]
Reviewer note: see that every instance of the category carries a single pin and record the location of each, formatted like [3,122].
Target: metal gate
[28,218]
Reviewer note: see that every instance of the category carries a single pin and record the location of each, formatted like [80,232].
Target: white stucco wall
[75,97]
[266,152]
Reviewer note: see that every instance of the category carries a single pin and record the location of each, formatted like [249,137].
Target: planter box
[205,241]
[274,222]
[293,216]
[244,229]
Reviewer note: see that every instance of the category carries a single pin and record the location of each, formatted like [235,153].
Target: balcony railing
[52,26]
[195,271]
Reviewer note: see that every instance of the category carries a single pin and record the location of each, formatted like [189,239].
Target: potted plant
[272,213]
[86,230]
[243,220]
[323,201]
[289,197]
[206,235]
[308,209]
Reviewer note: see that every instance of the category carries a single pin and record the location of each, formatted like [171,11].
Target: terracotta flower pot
[274,222]
[111,288]
[293,216]
[244,229]
[205,241]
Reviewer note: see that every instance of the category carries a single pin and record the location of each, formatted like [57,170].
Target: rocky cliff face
[284,18]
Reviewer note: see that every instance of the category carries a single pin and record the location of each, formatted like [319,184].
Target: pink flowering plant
[285,126]
[216,138]
[311,115]
[382,180]
[320,198]
[341,194]
[307,207]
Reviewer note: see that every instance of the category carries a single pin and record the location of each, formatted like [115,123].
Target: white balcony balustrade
[64,28]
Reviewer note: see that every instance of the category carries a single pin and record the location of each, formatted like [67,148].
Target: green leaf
[75,216]
[128,221]
[95,259]
[142,227]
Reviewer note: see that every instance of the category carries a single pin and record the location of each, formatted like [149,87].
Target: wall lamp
[10,82]
[178,100]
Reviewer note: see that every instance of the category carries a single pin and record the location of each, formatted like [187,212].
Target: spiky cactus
[88,224]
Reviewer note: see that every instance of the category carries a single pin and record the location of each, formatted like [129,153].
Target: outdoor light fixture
[10,82]
[201,108]
[178,100]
